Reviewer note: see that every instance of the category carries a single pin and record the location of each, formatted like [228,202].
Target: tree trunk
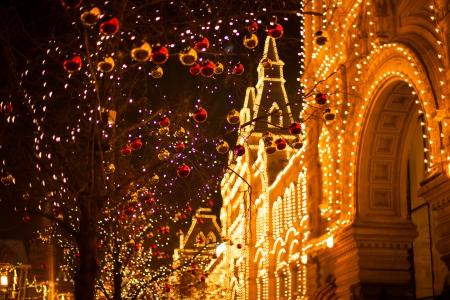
[86,272]
[117,286]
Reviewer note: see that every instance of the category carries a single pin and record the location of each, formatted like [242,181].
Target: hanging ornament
[160,54]
[320,38]
[164,122]
[239,150]
[328,115]
[275,31]
[91,17]
[188,56]
[180,147]
[269,147]
[72,64]
[295,128]
[239,246]
[56,210]
[238,69]
[126,151]
[166,230]
[180,132]
[209,203]
[150,201]
[109,26]
[7,109]
[157,72]
[195,69]
[141,51]
[280,144]
[32,240]
[76,254]
[250,41]
[252,27]
[233,117]
[297,144]
[129,210]
[200,221]
[214,256]
[26,218]
[154,179]
[201,44]
[200,115]
[163,154]
[106,65]
[222,147]
[109,168]
[320,98]
[218,68]
[183,171]
[207,68]
[136,144]
[266,63]
[202,278]
[44,266]
[188,209]
[164,130]
[267,137]
[8,179]
[183,216]
[71,3]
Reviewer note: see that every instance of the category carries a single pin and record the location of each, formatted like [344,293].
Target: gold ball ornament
[250,41]
[266,63]
[164,130]
[91,17]
[106,65]
[109,168]
[141,51]
[328,114]
[320,38]
[8,180]
[180,132]
[233,117]
[269,147]
[267,137]
[188,56]
[222,147]
[157,72]
[297,144]
[219,68]
[163,154]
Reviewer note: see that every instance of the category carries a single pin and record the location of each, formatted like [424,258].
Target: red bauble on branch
[239,150]
[183,171]
[136,144]
[72,64]
[295,128]
[238,69]
[160,54]
[109,26]
[320,98]
[200,115]
[180,147]
[280,144]
[164,122]
[200,222]
[7,109]
[207,68]
[209,203]
[275,31]
[195,69]
[126,151]
[26,218]
[252,27]
[201,44]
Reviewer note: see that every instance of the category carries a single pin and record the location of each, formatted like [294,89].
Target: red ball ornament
[137,247]
[160,54]
[167,256]
[122,219]
[7,109]
[44,266]
[207,68]
[203,278]
[166,230]
[275,31]
[99,246]
[26,218]
[153,246]
[239,246]
[136,144]
[183,216]
[76,255]
[252,27]
[129,210]
[195,69]
[200,115]
[150,201]
[164,122]
[239,150]
[72,64]
[180,147]
[295,128]
[183,171]
[71,3]
[201,44]
[32,240]
[110,26]
[280,144]
[126,151]
[56,210]
[200,221]
[209,203]
[167,288]
[238,69]
[320,98]
[214,256]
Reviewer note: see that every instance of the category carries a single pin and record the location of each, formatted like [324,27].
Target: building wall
[343,217]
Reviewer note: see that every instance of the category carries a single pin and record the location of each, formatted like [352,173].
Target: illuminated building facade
[362,210]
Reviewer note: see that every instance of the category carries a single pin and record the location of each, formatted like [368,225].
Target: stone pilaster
[372,260]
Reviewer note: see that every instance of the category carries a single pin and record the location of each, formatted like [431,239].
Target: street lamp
[4,284]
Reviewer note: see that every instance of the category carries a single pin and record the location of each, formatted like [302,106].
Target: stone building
[362,210]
